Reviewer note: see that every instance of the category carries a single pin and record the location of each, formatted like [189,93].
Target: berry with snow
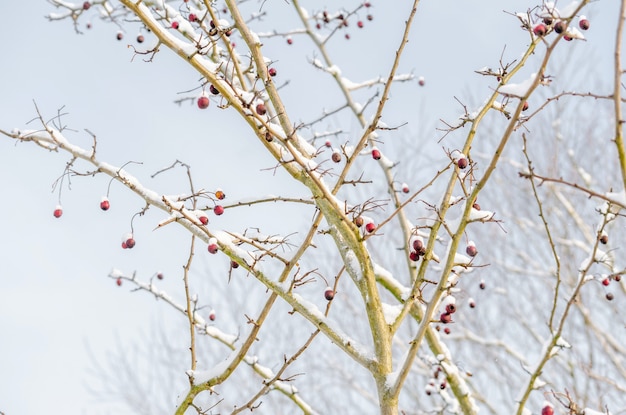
[471,249]
[405,188]
[329,294]
[192,17]
[289,41]
[471,303]
[547,410]
[203,102]
[212,315]
[525,107]
[414,256]
[234,264]
[328,144]
[130,243]
[204,219]
[482,285]
[604,239]
[359,24]
[616,277]
[421,81]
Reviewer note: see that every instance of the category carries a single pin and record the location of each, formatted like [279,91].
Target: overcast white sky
[55,299]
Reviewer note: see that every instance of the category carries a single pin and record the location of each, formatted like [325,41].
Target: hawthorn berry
[192,17]
[203,102]
[118,281]
[175,24]
[213,247]
[289,41]
[370,17]
[450,308]
[540,30]
[560,27]
[604,239]
[347,36]
[606,282]
[336,156]
[525,107]
[447,331]
[421,81]
[445,318]
[548,21]
[359,24]
[159,275]
[610,296]
[462,163]
[329,294]
[86,5]
[219,193]
[140,39]
[583,23]
[105,204]
[212,315]
[234,264]
[213,90]
[367,4]
[568,38]
[130,243]
[204,219]
[405,188]
[617,277]
[218,210]
[472,303]
[471,249]
[482,285]
[414,256]
[358,221]
[376,154]
[119,36]
[547,410]
[272,72]
[328,144]
[260,109]
[58,211]
[370,227]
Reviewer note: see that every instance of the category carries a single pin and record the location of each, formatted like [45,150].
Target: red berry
[568,38]
[370,227]
[359,24]
[260,109]
[329,294]
[120,36]
[130,243]
[105,204]
[212,315]
[525,107]
[548,21]
[203,102]
[220,194]
[617,277]
[604,239]
[140,38]
[213,90]
[414,256]
[370,17]
[118,281]
[124,245]
[58,212]
[367,4]
[560,27]
[540,30]
[174,25]
[213,247]
[218,209]
[405,188]
[471,250]
[160,275]
[462,163]
[472,303]
[547,410]
[347,36]
[376,154]
[192,17]
[234,264]
[328,144]
[609,296]
[336,156]
[583,23]
[421,81]
[86,5]
[476,206]
[289,41]
[482,285]
[88,25]
[445,318]
[272,72]
[203,219]
[606,282]
[450,308]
